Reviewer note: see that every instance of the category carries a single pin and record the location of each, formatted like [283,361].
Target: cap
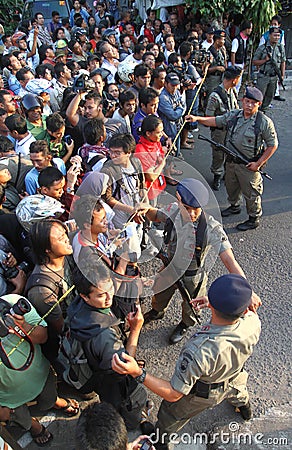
[220,33]
[79,31]
[172,78]
[232,72]
[18,36]
[193,193]
[60,53]
[210,30]
[61,43]
[230,294]
[104,73]
[30,101]
[253,93]
[93,57]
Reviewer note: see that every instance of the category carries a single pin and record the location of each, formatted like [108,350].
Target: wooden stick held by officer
[253,134]
[205,373]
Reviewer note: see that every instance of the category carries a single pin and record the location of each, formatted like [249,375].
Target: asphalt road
[265,255]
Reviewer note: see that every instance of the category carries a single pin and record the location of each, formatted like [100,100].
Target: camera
[83,83]
[11,272]
[68,139]
[21,307]
[200,56]
[146,444]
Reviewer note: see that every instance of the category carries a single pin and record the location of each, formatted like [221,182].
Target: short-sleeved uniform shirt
[216,353]
[243,134]
[277,52]
[181,248]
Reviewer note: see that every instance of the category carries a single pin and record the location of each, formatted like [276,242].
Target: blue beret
[253,93]
[230,294]
[193,193]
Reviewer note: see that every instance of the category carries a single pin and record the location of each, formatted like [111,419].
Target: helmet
[30,101]
[16,37]
[35,208]
[125,69]
[107,33]
[61,43]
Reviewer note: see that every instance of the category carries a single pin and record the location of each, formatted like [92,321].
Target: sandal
[176,172]
[69,409]
[186,145]
[171,181]
[43,438]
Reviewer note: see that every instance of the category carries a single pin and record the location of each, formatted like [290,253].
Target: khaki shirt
[181,248]
[243,135]
[278,56]
[216,107]
[216,353]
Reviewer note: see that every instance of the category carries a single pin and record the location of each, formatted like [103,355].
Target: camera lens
[21,307]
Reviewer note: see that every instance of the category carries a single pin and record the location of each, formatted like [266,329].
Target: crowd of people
[94,112]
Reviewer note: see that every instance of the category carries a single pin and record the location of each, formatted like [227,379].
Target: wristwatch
[141,378]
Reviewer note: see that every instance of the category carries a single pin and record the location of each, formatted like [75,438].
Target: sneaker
[249,224]
[231,210]
[245,411]
[178,333]
[153,315]
[195,130]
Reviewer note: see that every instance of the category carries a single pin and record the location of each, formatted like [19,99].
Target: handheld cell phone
[68,139]
[146,444]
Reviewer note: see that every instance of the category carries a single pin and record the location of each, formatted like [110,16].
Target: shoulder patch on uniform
[186,359]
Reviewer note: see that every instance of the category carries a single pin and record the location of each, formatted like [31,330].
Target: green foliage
[258,11]
[9,10]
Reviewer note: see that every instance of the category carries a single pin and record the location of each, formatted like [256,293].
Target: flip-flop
[43,434]
[66,408]
[171,181]
[176,172]
[187,146]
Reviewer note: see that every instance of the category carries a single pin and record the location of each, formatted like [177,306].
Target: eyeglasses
[115,152]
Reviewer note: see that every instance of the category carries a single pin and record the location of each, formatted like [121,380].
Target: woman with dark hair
[150,152]
[50,279]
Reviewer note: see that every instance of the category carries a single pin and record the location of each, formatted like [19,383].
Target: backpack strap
[200,234]
[200,237]
[46,281]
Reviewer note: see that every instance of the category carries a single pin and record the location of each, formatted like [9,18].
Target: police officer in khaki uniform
[264,57]
[218,62]
[193,243]
[210,367]
[221,100]
[248,130]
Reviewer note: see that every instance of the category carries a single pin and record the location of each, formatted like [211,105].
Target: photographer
[19,386]
[93,109]
[191,81]
[12,277]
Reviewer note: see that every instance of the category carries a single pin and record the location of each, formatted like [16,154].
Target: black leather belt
[268,75]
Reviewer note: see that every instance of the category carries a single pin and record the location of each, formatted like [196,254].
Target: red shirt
[151,154]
